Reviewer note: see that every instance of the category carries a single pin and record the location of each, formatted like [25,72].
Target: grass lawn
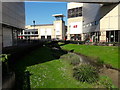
[47,70]
[108,54]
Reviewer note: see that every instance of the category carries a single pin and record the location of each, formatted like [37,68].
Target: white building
[56,30]
[75,21]
[98,22]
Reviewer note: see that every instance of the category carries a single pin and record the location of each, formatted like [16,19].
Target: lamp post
[34,28]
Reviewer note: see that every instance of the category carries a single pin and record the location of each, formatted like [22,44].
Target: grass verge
[107,54]
[47,71]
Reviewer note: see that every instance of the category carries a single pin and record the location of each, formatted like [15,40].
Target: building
[45,31]
[75,21]
[13,21]
[103,25]
[99,23]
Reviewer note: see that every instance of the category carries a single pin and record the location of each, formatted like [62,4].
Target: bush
[75,60]
[86,73]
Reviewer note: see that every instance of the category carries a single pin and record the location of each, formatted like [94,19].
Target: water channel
[103,70]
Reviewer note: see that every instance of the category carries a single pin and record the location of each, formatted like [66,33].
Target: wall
[74,21]
[0,28]
[0,44]
[43,30]
[13,14]
[7,37]
[46,31]
[74,5]
[119,21]
[13,18]
[59,27]
[109,17]
[90,15]
[107,14]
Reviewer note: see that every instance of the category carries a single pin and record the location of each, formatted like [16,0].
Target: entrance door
[43,37]
[48,37]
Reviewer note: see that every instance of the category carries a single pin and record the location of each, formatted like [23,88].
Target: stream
[103,70]
[112,73]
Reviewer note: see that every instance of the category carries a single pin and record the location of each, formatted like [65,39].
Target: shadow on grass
[41,55]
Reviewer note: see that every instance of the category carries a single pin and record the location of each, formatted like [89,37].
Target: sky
[42,12]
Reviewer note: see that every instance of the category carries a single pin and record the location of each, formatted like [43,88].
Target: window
[32,32]
[96,22]
[36,32]
[75,12]
[25,32]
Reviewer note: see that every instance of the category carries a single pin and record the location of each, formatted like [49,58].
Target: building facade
[100,22]
[13,21]
[75,21]
[56,30]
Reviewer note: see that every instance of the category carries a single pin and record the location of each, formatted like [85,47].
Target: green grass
[108,54]
[53,74]
[47,71]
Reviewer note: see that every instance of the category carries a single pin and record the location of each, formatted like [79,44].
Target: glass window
[25,32]
[36,32]
[75,12]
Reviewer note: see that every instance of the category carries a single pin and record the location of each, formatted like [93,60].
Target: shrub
[74,59]
[86,73]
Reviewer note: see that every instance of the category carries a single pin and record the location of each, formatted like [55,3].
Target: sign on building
[76,28]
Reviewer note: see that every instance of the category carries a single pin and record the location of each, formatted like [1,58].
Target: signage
[76,28]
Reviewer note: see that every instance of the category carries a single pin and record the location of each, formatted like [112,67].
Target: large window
[25,32]
[36,32]
[75,12]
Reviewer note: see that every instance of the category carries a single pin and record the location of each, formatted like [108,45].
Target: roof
[58,15]
[43,25]
[27,30]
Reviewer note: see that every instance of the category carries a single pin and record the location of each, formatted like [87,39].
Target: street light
[34,28]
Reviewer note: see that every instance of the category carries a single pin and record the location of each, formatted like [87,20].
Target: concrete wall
[13,14]
[63,30]
[109,17]
[43,30]
[0,28]
[107,14]
[7,37]
[74,5]
[55,30]
[13,18]
[46,31]
[119,21]
[0,44]
[74,20]
[59,27]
